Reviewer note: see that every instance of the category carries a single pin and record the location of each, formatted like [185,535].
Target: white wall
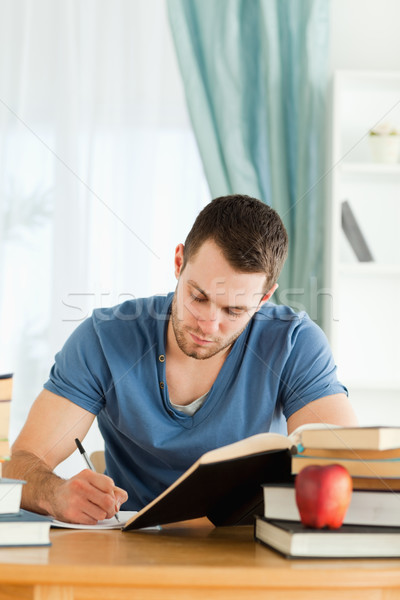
[365,34]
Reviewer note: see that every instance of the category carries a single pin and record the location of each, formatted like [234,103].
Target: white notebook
[123,515]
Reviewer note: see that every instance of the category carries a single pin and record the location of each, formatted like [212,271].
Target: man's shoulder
[280,313]
[283,321]
[134,312]
[285,324]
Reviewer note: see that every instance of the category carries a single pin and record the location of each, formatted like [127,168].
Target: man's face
[213,303]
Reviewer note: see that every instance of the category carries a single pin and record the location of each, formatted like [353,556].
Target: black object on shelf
[354,234]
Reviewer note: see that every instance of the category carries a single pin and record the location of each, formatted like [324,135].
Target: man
[172,377]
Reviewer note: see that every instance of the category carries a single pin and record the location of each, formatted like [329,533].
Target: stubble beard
[186,346]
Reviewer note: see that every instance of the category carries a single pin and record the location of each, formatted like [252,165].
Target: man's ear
[268,295]
[178,260]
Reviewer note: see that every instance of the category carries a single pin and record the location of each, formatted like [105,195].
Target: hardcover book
[353,454]
[388,484]
[366,507]
[352,438]
[6,383]
[294,540]
[10,495]
[24,529]
[389,467]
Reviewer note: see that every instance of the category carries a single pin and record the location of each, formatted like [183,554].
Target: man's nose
[208,321]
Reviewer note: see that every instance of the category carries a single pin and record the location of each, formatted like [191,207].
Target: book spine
[356,468]
[6,385]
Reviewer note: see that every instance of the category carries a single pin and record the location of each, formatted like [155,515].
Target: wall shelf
[364,324]
[367,168]
[369,269]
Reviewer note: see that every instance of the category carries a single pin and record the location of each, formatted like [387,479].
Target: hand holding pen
[89,463]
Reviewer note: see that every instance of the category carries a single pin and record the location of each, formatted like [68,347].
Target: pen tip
[79,445]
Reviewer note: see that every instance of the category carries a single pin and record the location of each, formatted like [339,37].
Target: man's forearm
[38,493]
[87,497]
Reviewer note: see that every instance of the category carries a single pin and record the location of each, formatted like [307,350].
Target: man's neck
[189,378]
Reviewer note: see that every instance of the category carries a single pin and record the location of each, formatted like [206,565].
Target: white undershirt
[190,409]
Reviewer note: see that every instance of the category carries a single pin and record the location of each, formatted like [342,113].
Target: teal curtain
[255,78]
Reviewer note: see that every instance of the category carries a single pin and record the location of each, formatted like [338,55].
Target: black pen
[89,463]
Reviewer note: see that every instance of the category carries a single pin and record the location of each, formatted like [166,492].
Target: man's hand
[86,498]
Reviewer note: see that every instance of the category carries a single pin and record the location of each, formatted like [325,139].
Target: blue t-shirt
[113,365]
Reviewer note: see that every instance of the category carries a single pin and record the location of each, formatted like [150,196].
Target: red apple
[323,495]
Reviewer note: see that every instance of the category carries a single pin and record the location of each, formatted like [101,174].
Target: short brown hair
[250,234]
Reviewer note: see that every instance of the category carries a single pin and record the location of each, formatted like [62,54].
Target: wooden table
[191,561]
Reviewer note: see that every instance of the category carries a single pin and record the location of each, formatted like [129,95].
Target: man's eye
[234,313]
[197,298]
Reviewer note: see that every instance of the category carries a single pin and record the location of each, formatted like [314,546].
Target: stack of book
[18,527]
[370,454]
[371,526]
[5,403]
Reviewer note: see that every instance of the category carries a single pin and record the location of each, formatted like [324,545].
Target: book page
[295,436]
[123,515]
[260,442]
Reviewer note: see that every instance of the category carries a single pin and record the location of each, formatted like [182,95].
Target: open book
[224,484]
